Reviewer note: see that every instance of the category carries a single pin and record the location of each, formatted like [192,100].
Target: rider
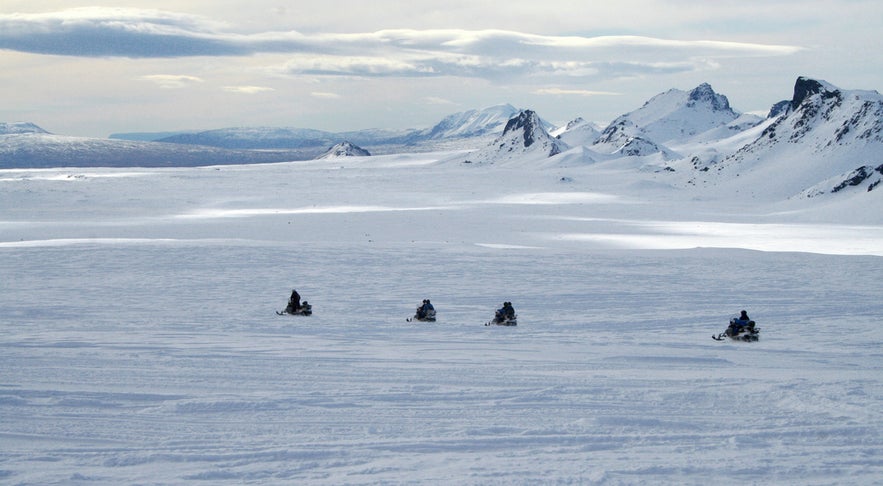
[424,309]
[293,302]
[505,312]
[739,324]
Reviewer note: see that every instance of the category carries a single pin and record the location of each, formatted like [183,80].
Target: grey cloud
[490,54]
[95,32]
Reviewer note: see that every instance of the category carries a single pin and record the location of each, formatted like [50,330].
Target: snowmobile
[503,320]
[739,331]
[305,309]
[428,317]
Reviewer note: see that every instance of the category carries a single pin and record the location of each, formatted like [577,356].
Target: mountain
[145,136]
[464,125]
[19,128]
[671,116]
[306,139]
[29,146]
[577,132]
[641,147]
[472,123]
[344,149]
[256,138]
[827,140]
[822,141]
[524,137]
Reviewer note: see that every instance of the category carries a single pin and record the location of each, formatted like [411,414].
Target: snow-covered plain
[140,344]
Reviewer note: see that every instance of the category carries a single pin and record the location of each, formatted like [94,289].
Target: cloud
[247,89]
[172,81]
[325,95]
[434,100]
[120,32]
[576,92]
[355,66]
[489,54]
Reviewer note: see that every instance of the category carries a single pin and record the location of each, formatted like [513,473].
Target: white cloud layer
[491,53]
[80,69]
[172,81]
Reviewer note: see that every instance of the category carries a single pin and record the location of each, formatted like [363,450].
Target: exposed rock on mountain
[824,136]
[673,115]
[523,137]
[781,108]
[344,149]
[639,147]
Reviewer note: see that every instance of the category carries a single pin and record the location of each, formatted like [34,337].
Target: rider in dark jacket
[293,302]
[424,309]
[737,325]
[505,312]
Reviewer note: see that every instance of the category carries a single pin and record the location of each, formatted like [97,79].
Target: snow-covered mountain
[472,123]
[524,138]
[823,140]
[826,140]
[344,149]
[669,117]
[19,128]
[577,132]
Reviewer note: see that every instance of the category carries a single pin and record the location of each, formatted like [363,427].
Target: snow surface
[140,343]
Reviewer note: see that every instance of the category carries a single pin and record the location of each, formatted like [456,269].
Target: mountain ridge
[824,140]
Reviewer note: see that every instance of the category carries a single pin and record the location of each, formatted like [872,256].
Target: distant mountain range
[823,140]
[468,124]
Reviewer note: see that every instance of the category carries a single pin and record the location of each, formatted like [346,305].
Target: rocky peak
[805,87]
[704,94]
[524,134]
[575,122]
[781,108]
[345,149]
[528,122]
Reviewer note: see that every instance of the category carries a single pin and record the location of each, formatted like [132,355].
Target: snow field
[140,343]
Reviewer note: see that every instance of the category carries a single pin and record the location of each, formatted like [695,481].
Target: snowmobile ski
[505,322]
[747,336]
[304,310]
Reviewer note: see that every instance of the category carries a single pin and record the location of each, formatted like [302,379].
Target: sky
[95,68]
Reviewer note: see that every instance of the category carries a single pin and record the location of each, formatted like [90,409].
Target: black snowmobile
[428,316]
[501,319]
[504,316]
[739,330]
[305,309]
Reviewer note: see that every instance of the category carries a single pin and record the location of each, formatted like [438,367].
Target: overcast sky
[127,66]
